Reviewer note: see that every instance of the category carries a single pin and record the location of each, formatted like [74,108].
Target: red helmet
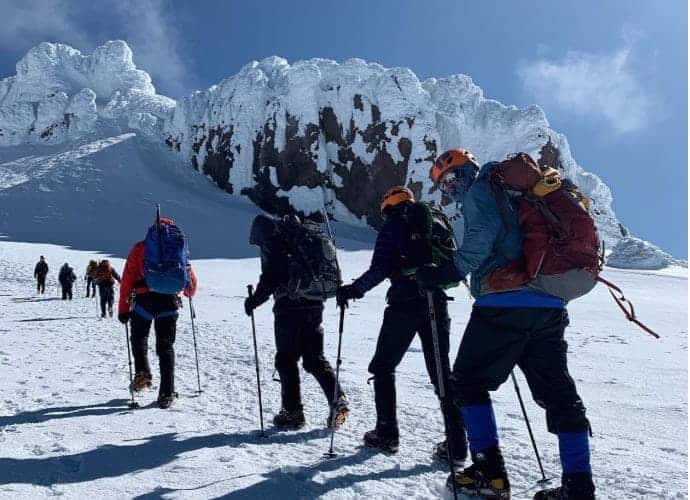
[449,161]
[396,195]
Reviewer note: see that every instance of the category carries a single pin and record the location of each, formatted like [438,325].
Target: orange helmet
[449,161]
[396,195]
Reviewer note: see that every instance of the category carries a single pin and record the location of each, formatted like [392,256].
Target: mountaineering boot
[486,477]
[577,486]
[441,452]
[287,419]
[142,380]
[384,437]
[165,401]
[340,413]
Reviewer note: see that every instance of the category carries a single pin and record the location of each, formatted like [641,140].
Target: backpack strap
[629,313]
[150,316]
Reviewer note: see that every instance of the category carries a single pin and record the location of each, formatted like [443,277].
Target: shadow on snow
[118,460]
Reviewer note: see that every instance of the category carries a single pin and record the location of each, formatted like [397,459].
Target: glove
[431,276]
[249,305]
[123,317]
[347,293]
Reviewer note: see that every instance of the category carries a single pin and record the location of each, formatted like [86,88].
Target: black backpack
[430,239]
[313,270]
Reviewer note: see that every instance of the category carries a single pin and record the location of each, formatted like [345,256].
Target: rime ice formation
[634,253]
[306,136]
[59,94]
[346,132]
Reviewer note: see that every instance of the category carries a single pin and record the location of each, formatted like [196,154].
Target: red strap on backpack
[629,314]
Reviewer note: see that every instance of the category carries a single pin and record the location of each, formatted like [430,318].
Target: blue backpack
[166,259]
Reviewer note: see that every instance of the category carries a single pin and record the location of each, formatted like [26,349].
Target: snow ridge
[634,253]
[350,130]
[305,136]
[59,94]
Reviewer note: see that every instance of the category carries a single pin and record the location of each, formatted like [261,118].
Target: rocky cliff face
[305,136]
[319,134]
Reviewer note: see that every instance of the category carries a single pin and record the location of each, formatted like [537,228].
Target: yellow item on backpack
[550,182]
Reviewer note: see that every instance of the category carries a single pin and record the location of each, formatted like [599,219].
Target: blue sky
[611,75]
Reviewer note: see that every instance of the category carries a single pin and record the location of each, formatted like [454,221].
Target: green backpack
[430,240]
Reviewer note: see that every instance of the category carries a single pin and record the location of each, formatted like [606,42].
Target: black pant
[107,294]
[401,320]
[498,338]
[165,328]
[41,284]
[90,286]
[67,291]
[298,334]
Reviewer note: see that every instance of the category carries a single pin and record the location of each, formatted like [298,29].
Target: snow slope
[101,194]
[65,429]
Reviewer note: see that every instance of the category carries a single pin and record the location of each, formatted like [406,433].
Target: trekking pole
[441,386]
[543,479]
[338,362]
[192,315]
[133,404]
[250,291]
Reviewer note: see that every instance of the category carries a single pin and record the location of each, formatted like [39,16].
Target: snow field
[65,429]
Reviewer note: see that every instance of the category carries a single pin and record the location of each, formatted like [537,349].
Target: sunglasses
[455,183]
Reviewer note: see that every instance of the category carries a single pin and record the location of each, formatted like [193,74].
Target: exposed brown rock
[294,166]
[219,161]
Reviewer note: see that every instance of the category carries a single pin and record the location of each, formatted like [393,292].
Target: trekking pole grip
[250,290]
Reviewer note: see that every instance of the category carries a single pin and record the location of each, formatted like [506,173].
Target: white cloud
[155,41]
[592,85]
[33,21]
[146,25]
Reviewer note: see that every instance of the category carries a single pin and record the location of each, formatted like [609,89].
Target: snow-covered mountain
[312,135]
[634,253]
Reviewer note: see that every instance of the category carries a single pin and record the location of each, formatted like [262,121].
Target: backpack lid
[519,172]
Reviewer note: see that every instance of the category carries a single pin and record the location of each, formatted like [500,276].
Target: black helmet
[262,230]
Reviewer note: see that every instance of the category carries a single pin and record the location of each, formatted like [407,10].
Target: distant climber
[40,273]
[66,279]
[105,277]
[90,278]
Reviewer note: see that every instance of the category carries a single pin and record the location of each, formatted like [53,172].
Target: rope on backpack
[629,314]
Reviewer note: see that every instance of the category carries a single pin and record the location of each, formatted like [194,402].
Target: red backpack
[104,273]
[562,254]
[560,241]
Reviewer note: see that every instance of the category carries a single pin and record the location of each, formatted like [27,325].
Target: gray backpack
[313,270]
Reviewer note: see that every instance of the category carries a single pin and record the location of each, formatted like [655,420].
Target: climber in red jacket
[141,305]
